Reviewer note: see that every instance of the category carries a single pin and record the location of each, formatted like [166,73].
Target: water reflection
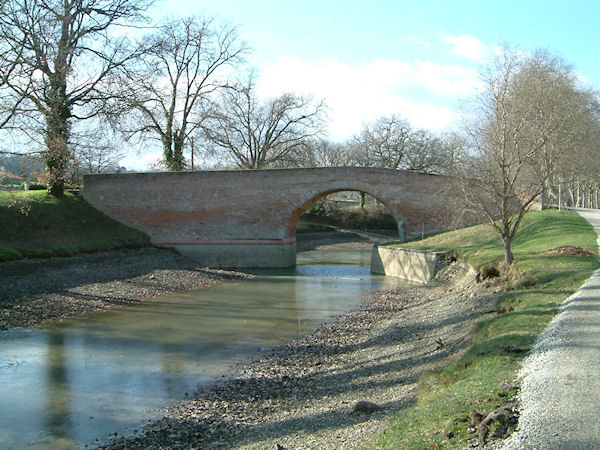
[68,384]
[58,398]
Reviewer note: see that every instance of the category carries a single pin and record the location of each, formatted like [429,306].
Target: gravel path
[560,392]
[338,386]
[44,290]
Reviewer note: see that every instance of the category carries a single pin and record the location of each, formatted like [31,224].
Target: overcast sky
[417,58]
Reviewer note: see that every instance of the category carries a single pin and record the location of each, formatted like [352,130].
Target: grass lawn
[311,227]
[484,375]
[35,224]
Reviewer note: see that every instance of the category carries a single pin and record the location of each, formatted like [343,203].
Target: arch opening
[351,210]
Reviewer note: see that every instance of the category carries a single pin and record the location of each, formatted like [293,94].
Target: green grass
[35,224]
[311,227]
[482,376]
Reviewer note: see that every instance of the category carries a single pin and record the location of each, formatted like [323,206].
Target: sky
[416,59]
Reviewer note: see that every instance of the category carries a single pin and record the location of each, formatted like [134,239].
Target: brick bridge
[248,218]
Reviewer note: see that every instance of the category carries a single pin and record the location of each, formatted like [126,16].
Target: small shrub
[37,187]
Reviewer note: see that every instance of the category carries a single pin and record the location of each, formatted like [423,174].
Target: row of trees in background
[56,58]
[80,76]
[77,77]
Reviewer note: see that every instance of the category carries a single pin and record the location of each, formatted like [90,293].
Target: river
[72,383]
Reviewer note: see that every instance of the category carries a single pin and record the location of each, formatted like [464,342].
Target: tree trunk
[57,155]
[542,198]
[362,199]
[508,254]
[173,153]
[571,192]
[192,149]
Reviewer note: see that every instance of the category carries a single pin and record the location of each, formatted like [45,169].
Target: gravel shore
[336,387]
[37,291]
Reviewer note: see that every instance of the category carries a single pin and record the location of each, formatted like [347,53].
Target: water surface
[68,384]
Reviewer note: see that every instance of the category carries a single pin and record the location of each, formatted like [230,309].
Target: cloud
[584,81]
[468,46]
[446,80]
[141,161]
[420,91]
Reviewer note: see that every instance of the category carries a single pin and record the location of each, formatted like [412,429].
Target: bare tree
[9,101]
[520,134]
[577,181]
[383,143]
[58,54]
[254,135]
[560,113]
[325,153]
[427,153]
[182,64]
[97,149]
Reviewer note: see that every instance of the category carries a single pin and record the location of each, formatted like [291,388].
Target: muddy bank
[340,240]
[313,393]
[44,290]
[36,291]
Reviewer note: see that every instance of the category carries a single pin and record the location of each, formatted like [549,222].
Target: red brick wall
[224,206]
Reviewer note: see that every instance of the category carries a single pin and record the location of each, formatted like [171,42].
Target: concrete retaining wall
[413,265]
[231,255]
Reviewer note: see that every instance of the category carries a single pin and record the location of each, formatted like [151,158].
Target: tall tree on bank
[183,63]
[60,52]
[254,135]
[521,132]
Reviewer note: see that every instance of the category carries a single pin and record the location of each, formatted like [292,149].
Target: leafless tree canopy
[254,134]
[182,64]
[391,142]
[56,55]
[383,143]
[97,149]
[526,124]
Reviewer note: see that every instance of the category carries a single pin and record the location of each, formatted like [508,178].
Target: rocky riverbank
[44,290]
[340,240]
[35,291]
[338,386]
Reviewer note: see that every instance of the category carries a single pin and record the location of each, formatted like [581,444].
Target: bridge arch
[248,218]
[306,204]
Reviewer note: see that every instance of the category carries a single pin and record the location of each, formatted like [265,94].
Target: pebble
[34,291]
